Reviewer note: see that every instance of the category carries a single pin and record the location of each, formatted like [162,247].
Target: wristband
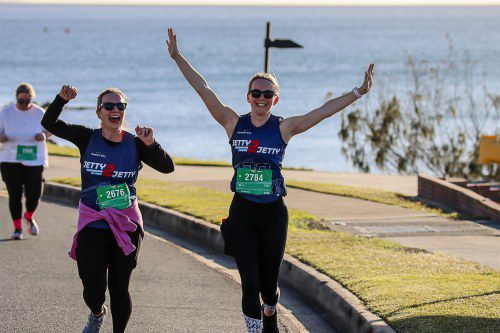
[356,92]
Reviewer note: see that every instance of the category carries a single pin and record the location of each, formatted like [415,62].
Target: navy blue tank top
[108,164]
[259,148]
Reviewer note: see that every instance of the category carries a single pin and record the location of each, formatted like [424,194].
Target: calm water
[96,47]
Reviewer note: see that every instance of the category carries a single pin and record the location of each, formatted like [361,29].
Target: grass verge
[375,195]
[413,290]
[74,152]
[58,150]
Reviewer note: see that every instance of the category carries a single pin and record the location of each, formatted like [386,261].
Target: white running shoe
[18,234]
[94,324]
[32,226]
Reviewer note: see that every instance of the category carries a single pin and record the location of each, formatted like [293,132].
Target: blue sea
[94,47]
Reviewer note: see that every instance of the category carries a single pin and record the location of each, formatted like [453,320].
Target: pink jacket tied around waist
[120,222]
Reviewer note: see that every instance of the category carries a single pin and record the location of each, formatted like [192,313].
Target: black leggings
[98,255]
[255,235]
[17,175]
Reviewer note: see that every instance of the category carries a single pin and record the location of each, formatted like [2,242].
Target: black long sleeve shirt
[153,155]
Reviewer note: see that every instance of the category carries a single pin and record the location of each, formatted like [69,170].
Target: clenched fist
[68,92]
[145,134]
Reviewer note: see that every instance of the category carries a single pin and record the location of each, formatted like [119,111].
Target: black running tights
[16,176]
[101,262]
[255,235]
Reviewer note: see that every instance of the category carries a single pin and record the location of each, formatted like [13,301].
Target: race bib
[26,153]
[116,196]
[251,181]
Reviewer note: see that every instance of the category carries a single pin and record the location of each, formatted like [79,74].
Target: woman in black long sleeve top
[109,231]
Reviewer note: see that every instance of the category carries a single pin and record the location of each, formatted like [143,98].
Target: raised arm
[298,124]
[77,134]
[222,113]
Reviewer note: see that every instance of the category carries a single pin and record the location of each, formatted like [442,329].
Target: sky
[262,2]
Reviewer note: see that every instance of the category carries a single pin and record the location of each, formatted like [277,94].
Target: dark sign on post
[278,43]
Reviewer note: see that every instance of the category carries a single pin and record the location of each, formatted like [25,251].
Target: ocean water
[96,47]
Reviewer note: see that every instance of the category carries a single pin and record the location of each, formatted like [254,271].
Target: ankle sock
[29,215]
[18,224]
[253,325]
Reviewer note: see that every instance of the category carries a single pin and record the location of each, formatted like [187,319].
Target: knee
[93,289]
[271,296]
[15,194]
[118,292]
[251,288]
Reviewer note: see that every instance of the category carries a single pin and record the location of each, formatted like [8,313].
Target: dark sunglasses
[23,101]
[109,106]
[256,93]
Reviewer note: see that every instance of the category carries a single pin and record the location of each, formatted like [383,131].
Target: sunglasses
[256,93]
[109,106]
[23,101]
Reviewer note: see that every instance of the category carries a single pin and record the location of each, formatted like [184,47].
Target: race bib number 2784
[252,181]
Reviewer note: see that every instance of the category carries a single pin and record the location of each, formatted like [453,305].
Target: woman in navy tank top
[109,233]
[255,231]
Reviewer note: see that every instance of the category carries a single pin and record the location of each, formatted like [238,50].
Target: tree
[436,127]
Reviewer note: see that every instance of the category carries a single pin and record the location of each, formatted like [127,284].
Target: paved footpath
[474,240]
[172,290]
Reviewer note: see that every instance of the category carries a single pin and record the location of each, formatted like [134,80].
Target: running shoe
[32,226]
[94,323]
[270,324]
[18,234]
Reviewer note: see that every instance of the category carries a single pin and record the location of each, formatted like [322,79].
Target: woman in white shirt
[23,155]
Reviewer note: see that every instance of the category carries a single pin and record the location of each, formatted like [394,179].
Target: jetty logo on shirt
[253,146]
[106,170]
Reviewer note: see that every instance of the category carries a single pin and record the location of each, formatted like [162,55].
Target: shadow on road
[6,240]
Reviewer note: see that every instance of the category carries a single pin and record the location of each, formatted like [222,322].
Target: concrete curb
[457,197]
[342,308]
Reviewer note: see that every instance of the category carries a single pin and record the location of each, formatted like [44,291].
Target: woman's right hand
[68,92]
[172,44]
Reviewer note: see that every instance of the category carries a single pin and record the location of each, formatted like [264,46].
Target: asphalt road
[41,291]
[172,291]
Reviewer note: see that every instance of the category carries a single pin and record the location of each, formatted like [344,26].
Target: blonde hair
[25,88]
[266,76]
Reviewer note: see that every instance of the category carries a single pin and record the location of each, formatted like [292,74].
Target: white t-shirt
[20,128]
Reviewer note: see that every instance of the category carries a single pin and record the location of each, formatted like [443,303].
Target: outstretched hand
[145,134]
[367,83]
[68,92]
[172,44]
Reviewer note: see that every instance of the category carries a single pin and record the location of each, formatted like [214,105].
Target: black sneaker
[18,234]
[270,324]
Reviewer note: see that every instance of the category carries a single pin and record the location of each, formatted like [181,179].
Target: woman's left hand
[145,134]
[40,137]
[367,84]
